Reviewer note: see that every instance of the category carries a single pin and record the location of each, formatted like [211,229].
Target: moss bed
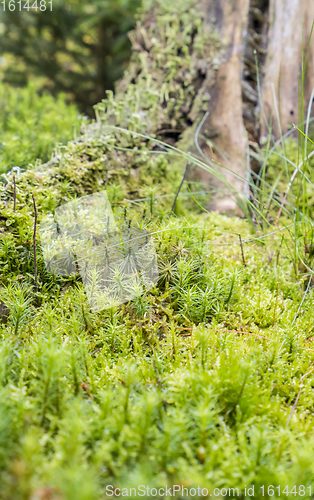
[203,381]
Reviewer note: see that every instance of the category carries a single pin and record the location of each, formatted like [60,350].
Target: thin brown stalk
[34,244]
[270,258]
[283,300]
[179,189]
[14,193]
[242,251]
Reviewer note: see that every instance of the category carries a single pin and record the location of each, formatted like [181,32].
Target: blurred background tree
[78,48]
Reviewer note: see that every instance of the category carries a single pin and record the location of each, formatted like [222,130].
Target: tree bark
[290,23]
[226,108]
[276,34]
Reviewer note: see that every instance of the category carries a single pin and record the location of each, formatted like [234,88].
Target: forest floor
[205,380]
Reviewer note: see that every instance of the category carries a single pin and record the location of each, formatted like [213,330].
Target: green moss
[31,125]
[204,380]
[193,382]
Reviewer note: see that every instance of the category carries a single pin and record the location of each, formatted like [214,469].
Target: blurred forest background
[54,66]
[78,48]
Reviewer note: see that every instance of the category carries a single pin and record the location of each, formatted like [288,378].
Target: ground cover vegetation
[204,380]
[32,125]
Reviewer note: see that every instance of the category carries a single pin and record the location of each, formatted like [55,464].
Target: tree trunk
[277,31]
[290,23]
[274,30]
[225,108]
